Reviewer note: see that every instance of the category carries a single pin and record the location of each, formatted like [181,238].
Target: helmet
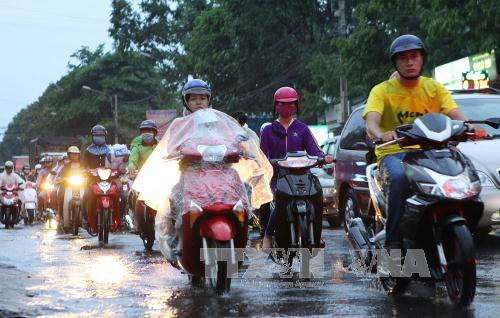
[29,184]
[9,164]
[38,166]
[286,94]
[73,149]
[60,158]
[148,124]
[195,86]
[405,43]
[47,159]
[98,130]
[26,167]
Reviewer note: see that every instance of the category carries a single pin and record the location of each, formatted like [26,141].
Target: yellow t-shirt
[400,105]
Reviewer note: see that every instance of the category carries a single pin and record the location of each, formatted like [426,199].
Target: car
[329,213]
[352,195]
[329,147]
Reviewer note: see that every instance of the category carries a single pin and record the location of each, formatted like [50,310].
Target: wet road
[71,277]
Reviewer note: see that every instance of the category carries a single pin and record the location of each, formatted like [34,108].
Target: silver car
[485,154]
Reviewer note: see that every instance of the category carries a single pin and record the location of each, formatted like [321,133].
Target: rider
[26,174]
[9,177]
[241,118]
[140,149]
[71,164]
[400,100]
[283,135]
[95,156]
[142,146]
[40,181]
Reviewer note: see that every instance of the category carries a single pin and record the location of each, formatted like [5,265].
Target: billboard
[468,72]
[163,118]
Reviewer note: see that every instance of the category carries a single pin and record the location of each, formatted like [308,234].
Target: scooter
[29,203]
[72,203]
[298,203]
[10,205]
[441,212]
[107,216]
[215,210]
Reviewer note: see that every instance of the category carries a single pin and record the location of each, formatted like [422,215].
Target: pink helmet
[286,94]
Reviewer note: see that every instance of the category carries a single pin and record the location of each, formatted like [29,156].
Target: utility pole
[344,101]
[116,118]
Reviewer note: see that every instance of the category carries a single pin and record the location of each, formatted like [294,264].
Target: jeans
[396,188]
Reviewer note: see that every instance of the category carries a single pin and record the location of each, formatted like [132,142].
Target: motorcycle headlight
[48,186]
[485,180]
[76,180]
[458,187]
[104,174]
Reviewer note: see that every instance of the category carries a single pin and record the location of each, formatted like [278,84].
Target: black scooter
[441,213]
[298,203]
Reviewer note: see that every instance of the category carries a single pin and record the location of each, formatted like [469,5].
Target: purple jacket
[275,141]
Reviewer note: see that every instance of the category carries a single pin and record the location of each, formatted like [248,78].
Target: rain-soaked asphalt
[70,277]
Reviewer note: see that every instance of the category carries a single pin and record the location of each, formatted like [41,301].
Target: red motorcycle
[10,205]
[215,210]
[107,215]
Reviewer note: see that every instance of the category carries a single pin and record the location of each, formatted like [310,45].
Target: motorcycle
[298,203]
[145,218]
[10,205]
[215,210]
[72,203]
[29,203]
[107,216]
[48,214]
[439,216]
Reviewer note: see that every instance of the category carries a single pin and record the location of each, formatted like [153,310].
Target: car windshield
[481,108]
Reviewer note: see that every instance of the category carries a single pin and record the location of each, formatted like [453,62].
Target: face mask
[148,137]
[99,140]
[285,111]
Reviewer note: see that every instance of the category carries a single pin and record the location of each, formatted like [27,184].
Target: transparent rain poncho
[197,149]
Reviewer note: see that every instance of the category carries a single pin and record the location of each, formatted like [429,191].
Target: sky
[37,38]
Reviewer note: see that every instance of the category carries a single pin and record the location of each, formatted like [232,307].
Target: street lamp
[113,106]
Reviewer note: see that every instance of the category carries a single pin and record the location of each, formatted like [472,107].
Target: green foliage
[245,50]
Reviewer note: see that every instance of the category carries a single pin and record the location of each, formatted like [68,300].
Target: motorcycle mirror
[493,122]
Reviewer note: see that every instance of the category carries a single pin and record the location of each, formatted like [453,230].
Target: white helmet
[38,166]
[9,164]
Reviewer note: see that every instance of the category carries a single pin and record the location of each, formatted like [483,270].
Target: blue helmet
[195,86]
[148,124]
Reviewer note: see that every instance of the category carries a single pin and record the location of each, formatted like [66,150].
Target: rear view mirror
[493,122]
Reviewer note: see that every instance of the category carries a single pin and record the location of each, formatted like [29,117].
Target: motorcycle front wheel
[219,279]
[460,256]
[149,232]
[75,218]
[7,217]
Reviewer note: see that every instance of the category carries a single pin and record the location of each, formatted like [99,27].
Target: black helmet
[196,86]
[406,42]
[26,167]
[148,124]
[98,130]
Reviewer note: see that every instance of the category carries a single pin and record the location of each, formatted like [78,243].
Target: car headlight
[485,180]
[458,187]
[76,180]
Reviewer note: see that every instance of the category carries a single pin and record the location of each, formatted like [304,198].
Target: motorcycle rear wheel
[460,277]
[31,215]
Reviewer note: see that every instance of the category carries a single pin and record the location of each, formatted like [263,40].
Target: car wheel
[350,209]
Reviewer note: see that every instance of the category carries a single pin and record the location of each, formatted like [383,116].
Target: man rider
[140,149]
[40,181]
[9,177]
[71,164]
[95,156]
[400,100]
[26,174]
[283,135]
